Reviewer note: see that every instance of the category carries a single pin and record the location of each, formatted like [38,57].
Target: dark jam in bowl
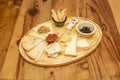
[85,30]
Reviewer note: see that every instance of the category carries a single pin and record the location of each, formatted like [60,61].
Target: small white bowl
[87,24]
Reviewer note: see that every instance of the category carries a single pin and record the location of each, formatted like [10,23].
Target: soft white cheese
[83,44]
[53,49]
[71,47]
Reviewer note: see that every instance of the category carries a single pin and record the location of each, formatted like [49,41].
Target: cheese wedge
[53,49]
[83,44]
[71,47]
[42,47]
[36,52]
[30,42]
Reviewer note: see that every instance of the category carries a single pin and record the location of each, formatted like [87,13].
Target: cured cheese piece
[53,49]
[71,47]
[36,52]
[83,44]
[30,42]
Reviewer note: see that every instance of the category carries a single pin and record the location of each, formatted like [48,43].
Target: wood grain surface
[16,19]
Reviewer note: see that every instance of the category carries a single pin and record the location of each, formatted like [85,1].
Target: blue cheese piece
[71,47]
[83,43]
[53,49]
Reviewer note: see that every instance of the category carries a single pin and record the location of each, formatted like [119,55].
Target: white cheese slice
[83,44]
[71,47]
[30,42]
[36,52]
[53,49]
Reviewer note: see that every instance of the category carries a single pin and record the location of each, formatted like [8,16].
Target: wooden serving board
[62,59]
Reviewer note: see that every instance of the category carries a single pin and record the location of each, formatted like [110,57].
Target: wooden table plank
[12,56]
[8,16]
[115,10]
[107,54]
[30,72]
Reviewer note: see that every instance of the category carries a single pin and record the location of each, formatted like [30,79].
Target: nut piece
[43,29]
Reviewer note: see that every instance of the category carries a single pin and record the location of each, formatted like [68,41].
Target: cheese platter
[48,45]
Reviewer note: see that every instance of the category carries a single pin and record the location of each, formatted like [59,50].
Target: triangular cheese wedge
[71,47]
[36,52]
[30,42]
[40,51]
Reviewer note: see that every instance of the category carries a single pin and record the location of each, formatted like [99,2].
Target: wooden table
[16,20]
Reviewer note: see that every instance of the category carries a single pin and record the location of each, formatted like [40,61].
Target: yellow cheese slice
[83,43]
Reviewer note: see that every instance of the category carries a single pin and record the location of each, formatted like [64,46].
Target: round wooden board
[63,59]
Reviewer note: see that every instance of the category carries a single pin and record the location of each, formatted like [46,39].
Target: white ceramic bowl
[87,24]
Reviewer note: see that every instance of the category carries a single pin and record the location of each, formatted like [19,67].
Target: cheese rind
[71,47]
